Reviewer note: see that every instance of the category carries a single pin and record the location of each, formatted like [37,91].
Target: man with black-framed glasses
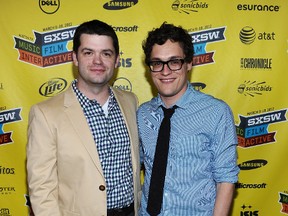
[187,138]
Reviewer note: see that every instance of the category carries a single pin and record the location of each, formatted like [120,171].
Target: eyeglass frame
[166,63]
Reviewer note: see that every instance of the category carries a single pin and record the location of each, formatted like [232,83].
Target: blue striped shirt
[202,152]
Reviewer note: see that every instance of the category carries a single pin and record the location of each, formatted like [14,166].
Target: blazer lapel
[78,121]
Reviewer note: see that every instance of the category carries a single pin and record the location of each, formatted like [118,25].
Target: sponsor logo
[200,40]
[283,200]
[248,210]
[133,28]
[256,63]
[124,62]
[184,6]
[198,86]
[253,130]
[52,87]
[248,35]
[240,185]
[258,7]
[49,6]
[48,49]
[5,212]
[123,84]
[119,4]
[6,117]
[252,164]
[7,190]
[253,88]
[7,171]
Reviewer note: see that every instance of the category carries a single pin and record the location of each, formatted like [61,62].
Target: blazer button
[101,187]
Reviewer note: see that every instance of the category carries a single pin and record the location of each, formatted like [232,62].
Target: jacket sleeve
[42,165]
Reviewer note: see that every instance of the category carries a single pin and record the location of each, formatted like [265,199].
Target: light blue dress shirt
[202,152]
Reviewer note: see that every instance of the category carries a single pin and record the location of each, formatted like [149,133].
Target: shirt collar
[86,102]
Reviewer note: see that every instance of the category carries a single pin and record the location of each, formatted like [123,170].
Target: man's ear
[75,60]
[117,61]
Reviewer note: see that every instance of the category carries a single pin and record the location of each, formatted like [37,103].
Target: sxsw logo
[6,117]
[48,49]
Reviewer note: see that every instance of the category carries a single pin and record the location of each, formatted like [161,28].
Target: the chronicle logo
[49,6]
[52,87]
[184,6]
[253,130]
[256,63]
[283,200]
[119,4]
[201,39]
[6,117]
[123,84]
[252,164]
[248,35]
[253,88]
[48,49]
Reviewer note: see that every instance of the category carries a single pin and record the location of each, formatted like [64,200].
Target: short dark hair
[95,27]
[168,32]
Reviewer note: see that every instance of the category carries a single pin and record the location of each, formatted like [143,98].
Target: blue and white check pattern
[113,145]
[202,152]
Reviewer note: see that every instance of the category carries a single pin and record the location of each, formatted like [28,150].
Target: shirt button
[101,187]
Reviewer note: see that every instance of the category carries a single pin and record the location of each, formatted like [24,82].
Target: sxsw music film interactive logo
[49,6]
[184,6]
[119,4]
[253,130]
[283,200]
[48,49]
[253,88]
[201,39]
[6,117]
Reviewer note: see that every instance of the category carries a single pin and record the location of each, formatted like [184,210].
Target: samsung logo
[252,164]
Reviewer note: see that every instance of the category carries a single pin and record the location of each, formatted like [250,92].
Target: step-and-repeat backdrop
[241,56]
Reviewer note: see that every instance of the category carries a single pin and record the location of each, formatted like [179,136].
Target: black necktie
[155,196]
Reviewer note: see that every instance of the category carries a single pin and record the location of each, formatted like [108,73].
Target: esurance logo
[253,88]
[6,117]
[200,40]
[253,130]
[48,49]
[184,6]
[255,7]
[283,200]
[52,87]
[119,4]
[49,6]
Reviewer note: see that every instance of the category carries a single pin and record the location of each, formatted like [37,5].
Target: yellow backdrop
[241,57]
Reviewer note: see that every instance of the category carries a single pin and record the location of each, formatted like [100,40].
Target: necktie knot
[168,112]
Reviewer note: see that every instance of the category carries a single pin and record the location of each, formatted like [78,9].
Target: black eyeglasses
[173,65]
